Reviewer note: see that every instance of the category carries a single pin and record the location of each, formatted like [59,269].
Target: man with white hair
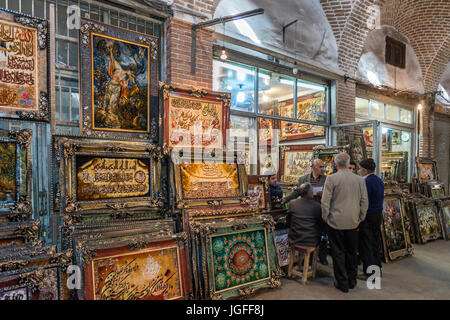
[344,207]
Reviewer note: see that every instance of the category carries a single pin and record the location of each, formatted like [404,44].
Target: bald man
[316,178]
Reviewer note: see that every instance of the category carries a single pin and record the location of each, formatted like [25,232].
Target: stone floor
[425,275]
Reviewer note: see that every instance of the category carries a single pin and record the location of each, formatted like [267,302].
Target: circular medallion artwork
[241,258]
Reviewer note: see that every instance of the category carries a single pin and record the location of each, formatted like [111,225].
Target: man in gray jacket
[344,207]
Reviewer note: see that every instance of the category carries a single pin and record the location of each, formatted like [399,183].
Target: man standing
[306,225]
[352,167]
[316,178]
[344,206]
[369,229]
[274,188]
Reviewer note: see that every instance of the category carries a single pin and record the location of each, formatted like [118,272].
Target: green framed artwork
[15,175]
[396,241]
[444,210]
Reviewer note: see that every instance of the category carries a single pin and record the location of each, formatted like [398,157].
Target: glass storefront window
[237,79]
[406,116]
[311,102]
[395,154]
[243,131]
[377,109]
[275,94]
[362,106]
[392,113]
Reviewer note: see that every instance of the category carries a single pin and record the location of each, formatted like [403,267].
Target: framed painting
[210,184]
[265,131]
[144,268]
[444,211]
[282,246]
[427,220]
[19,232]
[436,190]
[108,177]
[119,82]
[195,118]
[258,192]
[15,175]
[309,108]
[327,154]
[268,161]
[396,242]
[426,169]
[240,256]
[295,162]
[357,148]
[24,72]
[368,137]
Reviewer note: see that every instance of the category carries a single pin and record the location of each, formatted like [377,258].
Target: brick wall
[345,101]
[179,56]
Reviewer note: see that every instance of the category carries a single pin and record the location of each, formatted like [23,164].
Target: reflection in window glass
[376,109]
[61,26]
[275,94]
[62,52]
[395,154]
[362,106]
[392,113]
[243,130]
[27,7]
[406,116]
[74,101]
[65,104]
[39,9]
[237,79]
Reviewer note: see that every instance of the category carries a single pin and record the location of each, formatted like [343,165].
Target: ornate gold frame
[68,149]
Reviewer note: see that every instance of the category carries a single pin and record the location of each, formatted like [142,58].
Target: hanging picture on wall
[23,67]
[119,82]
[265,130]
[195,117]
[426,169]
[309,108]
[267,161]
[295,162]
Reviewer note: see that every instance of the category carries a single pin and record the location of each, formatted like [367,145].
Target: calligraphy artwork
[23,67]
[105,178]
[257,195]
[118,80]
[7,171]
[239,258]
[427,222]
[195,117]
[209,180]
[265,131]
[282,246]
[295,163]
[309,108]
[149,274]
[268,161]
[14,294]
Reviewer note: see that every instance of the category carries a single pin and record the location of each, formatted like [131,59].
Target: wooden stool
[306,252]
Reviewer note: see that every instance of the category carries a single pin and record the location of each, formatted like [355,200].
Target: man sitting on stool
[305,216]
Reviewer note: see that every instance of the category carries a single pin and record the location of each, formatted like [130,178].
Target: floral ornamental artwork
[328,160]
[428,223]
[393,225]
[120,78]
[209,180]
[239,259]
[144,275]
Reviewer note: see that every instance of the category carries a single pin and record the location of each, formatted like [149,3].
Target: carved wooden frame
[416,204]
[420,161]
[19,232]
[88,250]
[264,182]
[194,94]
[203,273]
[42,111]
[68,149]
[21,208]
[90,27]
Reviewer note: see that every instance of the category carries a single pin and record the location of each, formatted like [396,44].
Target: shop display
[357,148]
[295,162]
[444,211]
[144,267]
[426,218]
[195,117]
[23,73]
[267,161]
[16,175]
[100,176]
[258,192]
[265,131]
[119,82]
[19,232]
[426,169]
[238,256]
[396,241]
[327,154]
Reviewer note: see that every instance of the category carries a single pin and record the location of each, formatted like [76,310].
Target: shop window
[13,5]
[362,106]
[39,9]
[395,154]
[27,7]
[376,109]
[3,4]
[61,20]
[237,79]
[275,94]
[406,116]
[392,113]
[243,131]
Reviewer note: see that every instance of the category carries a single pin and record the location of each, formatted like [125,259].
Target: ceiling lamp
[223,55]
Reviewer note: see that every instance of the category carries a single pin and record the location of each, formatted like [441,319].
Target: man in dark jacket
[369,229]
[305,218]
[274,188]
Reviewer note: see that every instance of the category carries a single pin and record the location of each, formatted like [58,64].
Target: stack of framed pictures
[237,256]
[395,228]
[427,179]
[444,211]
[426,219]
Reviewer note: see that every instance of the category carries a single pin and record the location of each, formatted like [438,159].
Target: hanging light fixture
[295,69]
[223,55]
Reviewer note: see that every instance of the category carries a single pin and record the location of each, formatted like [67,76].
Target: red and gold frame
[197,102]
[110,268]
[284,150]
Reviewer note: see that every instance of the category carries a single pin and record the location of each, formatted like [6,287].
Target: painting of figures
[120,79]
[7,171]
[393,225]
[296,165]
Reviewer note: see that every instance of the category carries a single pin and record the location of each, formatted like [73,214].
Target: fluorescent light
[311,86]
[286,81]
